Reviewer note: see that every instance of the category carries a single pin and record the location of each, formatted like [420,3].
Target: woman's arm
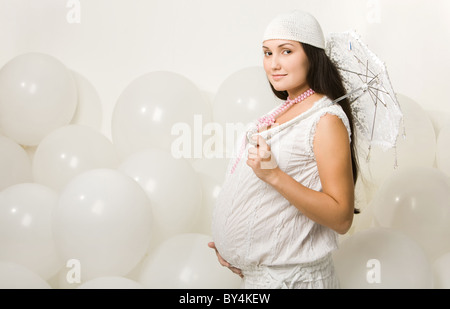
[334,206]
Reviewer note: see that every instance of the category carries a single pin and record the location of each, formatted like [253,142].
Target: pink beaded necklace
[269,120]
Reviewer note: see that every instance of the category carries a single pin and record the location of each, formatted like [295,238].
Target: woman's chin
[278,87]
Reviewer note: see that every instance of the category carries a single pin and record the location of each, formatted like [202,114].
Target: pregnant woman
[290,191]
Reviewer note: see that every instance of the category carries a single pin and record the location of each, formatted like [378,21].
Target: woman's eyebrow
[285,44]
[279,45]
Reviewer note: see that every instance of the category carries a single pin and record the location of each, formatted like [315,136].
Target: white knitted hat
[296,26]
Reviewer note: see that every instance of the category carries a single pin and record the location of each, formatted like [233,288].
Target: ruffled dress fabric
[257,230]
[319,274]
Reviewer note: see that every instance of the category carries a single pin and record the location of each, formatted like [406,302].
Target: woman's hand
[262,161]
[224,263]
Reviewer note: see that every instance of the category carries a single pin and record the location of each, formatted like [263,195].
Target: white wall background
[117,41]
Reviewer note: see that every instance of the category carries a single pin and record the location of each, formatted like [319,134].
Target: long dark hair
[324,78]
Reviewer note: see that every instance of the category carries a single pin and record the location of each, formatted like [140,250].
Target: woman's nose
[275,65]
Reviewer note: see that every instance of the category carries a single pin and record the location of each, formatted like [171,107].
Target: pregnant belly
[246,229]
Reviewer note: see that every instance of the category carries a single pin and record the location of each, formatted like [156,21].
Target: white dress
[257,230]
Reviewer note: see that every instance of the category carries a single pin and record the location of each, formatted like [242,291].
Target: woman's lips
[277,77]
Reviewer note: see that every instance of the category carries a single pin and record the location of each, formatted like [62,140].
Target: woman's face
[286,66]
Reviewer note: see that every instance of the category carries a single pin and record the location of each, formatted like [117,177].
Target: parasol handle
[363,88]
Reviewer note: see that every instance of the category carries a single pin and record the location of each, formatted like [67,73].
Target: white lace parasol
[377,113]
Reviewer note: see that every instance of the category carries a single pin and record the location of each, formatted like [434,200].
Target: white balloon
[25,228]
[89,107]
[243,97]
[441,271]
[417,202]
[172,186]
[417,148]
[69,151]
[111,283]
[186,262]
[15,165]
[103,220]
[381,258]
[213,167]
[16,276]
[440,119]
[37,95]
[149,108]
[443,150]
[211,189]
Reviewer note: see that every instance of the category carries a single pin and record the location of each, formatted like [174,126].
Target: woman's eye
[267,54]
[286,52]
